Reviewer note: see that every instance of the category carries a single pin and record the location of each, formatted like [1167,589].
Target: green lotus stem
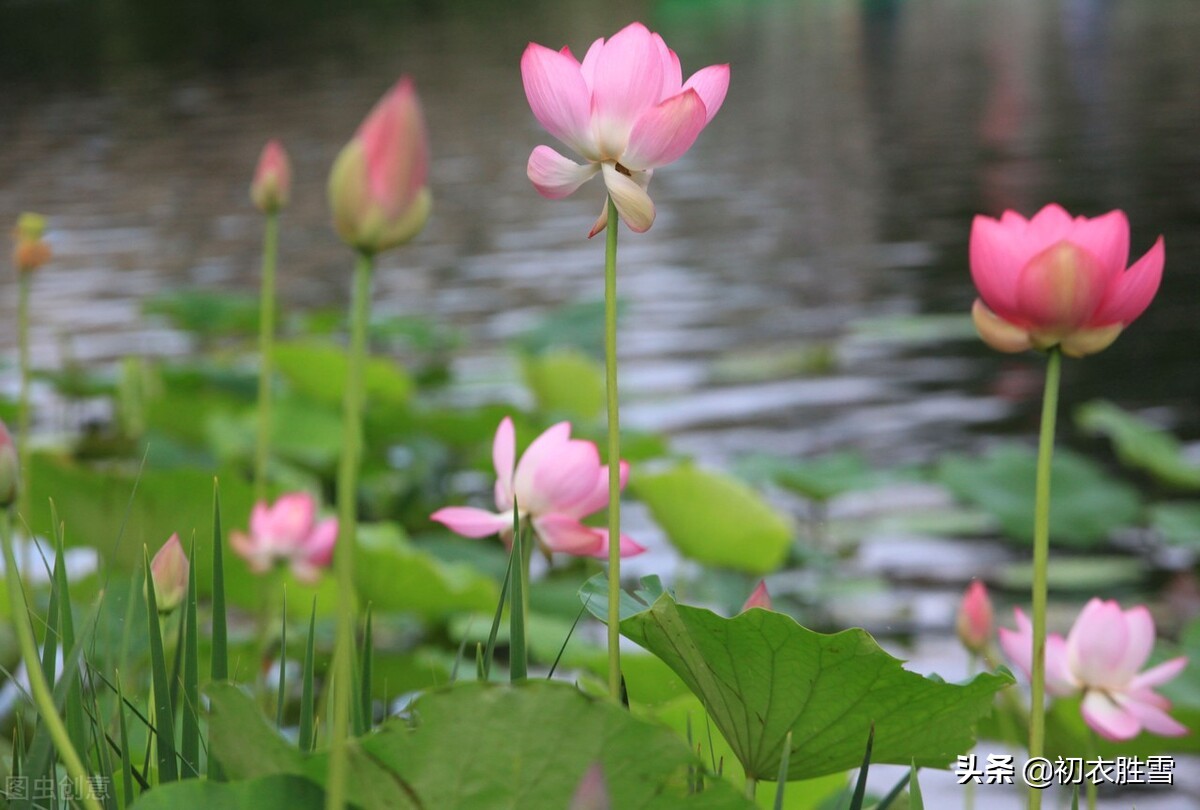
[42,695]
[342,689]
[1041,562]
[614,454]
[751,787]
[266,348]
[23,443]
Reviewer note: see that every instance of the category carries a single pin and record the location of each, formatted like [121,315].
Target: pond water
[829,200]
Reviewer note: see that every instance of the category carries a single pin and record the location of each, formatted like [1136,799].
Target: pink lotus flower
[272,182]
[169,573]
[288,532]
[558,482]
[759,598]
[1100,657]
[625,109]
[975,618]
[1057,281]
[377,188]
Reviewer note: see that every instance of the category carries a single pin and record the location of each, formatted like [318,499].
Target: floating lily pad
[1178,523]
[1092,573]
[819,479]
[1139,444]
[760,675]
[715,519]
[1086,504]
[318,371]
[565,381]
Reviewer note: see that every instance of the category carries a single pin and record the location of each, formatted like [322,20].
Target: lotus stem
[266,348]
[614,454]
[1041,562]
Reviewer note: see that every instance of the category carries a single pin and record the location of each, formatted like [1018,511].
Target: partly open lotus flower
[975,618]
[272,184]
[288,532]
[1100,657]
[1057,281]
[558,482]
[625,109]
[169,572]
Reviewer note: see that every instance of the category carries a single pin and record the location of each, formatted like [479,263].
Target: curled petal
[1159,674]
[588,66]
[1061,287]
[1083,342]
[1097,644]
[711,83]
[254,553]
[1051,224]
[634,205]
[504,453]
[1150,710]
[1108,718]
[563,533]
[555,176]
[1018,644]
[672,71]
[629,547]
[664,132]
[1132,291]
[291,518]
[998,333]
[318,551]
[566,479]
[541,451]
[597,499]
[558,96]
[1140,641]
[471,522]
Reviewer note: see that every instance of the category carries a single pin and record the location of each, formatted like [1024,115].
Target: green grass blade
[51,641]
[281,692]
[489,652]
[517,653]
[860,789]
[220,642]
[567,640]
[458,656]
[189,744]
[1075,798]
[915,802]
[164,719]
[307,707]
[127,793]
[894,793]
[368,662]
[783,771]
[77,726]
[104,763]
[480,667]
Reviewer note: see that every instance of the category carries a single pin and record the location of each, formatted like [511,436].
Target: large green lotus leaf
[390,574]
[484,747]
[565,381]
[761,675]
[818,478]
[1140,444]
[715,519]
[318,371]
[278,792]
[1178,522]
[301,432]
[247,748]
[489,747]
[1085,503]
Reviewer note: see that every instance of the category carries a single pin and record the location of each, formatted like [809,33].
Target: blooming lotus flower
[759,598]
[625,109]
[288,532]
[272,182]
[558,482]
[1057,281]
[377,188]
[169,573]
[975,618]
[1100,657]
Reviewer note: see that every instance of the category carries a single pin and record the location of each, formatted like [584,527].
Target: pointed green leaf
[164,717]
[220,643]
[190,732]
[715,519]
[761,675]
[307,699]
[915,802]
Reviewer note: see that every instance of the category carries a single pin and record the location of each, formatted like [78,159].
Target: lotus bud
[31,250]
[975,618]
[272,183]
[169,570]
[10,469]
[377,188]
[759,598]
[592,793]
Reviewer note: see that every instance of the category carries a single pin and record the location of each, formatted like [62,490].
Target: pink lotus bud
[272,182]
[1058,281]
[10,469]
[759,598]
[377,188]
[975,618]
[592,793]
[169,570]
[30,251]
